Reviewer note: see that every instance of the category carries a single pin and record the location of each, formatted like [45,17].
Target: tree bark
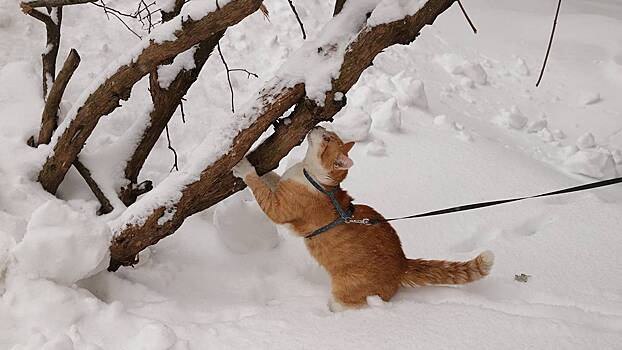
[338,7]
[165,103]
[49,118]
[54,3]
[52,23]
[105,98]
[105,206]
[216,181]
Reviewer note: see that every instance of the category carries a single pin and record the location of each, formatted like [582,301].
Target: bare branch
[338,7]
[228,71]
[105,207]
[302,26]
[49,118]
[48,58]
[548,49]
[467,17]
[170,147]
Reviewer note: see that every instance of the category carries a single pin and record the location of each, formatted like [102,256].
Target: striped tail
[426,272]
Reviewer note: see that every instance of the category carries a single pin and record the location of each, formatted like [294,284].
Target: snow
[586,140]
[393,10]
[242,226]
[183,62]
[512,118]
[353,124]
[229,279]
[458,65]
[47,235]
[387,116]
[597,163]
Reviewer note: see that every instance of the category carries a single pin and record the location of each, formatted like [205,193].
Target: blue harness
[345,216]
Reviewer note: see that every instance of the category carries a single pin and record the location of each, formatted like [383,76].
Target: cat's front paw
[243,169]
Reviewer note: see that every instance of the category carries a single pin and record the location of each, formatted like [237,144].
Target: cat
[362,260]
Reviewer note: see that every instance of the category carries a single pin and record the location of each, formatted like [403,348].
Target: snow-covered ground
[453,118]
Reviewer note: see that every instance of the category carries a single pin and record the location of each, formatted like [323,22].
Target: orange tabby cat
[362,260]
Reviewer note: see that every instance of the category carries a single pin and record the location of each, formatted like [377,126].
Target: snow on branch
[310,79]
[197,22]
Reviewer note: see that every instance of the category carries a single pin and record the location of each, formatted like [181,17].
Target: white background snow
[451,119]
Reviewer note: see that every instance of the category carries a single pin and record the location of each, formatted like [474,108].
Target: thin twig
[548,50]
[168,138]
[245,71]
[143,14]
[224,62]
[467,17]
[302,27]
[183,114]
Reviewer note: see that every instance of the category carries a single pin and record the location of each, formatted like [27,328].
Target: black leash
[346,217]
[502,201]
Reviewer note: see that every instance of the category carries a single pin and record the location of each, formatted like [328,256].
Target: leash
[347,219]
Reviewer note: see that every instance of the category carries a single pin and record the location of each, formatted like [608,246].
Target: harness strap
[344,216]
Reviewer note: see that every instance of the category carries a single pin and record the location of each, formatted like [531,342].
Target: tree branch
[105,207]
[54,3]
[338,7]
[52,23]
[49,118]
[106,97]
[216,181]
[165,102]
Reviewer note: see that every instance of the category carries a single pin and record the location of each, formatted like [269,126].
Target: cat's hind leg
[347,295]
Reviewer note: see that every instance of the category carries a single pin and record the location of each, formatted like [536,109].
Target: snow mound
[521,68]
[457,65]
[586,141]
[242,226]
[596,163]
[154,337]
[376,148]
[513,119]
[443,122]
[537,126]
[589,98]
[409,91]
[62,244]
[353,125]
[387,116]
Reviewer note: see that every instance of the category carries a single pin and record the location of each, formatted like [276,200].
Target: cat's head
[327,156]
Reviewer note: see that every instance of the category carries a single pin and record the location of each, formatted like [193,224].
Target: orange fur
[362,260]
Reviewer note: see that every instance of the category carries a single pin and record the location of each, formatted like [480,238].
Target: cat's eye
[325,138]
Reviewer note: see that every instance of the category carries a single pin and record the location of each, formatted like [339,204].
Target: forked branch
[216,181]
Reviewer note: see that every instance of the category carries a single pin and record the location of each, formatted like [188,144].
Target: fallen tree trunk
[105,98]
[216,181]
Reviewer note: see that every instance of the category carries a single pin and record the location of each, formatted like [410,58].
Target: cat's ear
[343,162]
[348,146]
